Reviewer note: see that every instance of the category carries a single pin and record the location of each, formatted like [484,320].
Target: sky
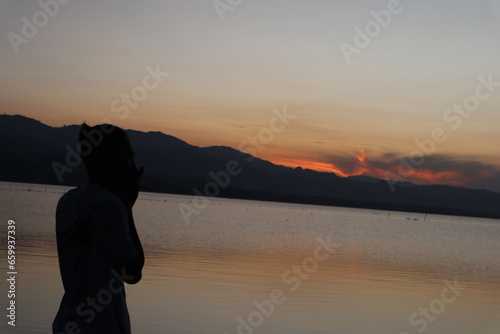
[400,90]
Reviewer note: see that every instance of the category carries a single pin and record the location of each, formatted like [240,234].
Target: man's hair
[101,147]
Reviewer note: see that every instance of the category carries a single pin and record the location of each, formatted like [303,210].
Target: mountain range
[33,152]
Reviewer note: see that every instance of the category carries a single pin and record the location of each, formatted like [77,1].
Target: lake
[247,267]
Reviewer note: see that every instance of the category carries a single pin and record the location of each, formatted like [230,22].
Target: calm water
[208,276]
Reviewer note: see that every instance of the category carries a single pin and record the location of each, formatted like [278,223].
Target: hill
[29,150]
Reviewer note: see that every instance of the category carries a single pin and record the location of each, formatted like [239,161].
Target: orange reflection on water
[336,297]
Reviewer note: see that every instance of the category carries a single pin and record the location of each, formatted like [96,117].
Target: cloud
[475,173]
[464,171]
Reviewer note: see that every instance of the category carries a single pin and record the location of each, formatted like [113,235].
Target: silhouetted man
[97,241]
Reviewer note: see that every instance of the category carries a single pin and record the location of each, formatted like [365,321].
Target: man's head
[109,159]
[106,151]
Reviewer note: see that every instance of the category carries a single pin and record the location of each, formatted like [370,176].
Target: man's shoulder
[90,196]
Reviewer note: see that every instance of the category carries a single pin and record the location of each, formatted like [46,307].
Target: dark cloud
[348,163]
[476,174]
[465,171]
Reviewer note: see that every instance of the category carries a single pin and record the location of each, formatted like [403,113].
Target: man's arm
[128,193]
[133,268]
[121,239]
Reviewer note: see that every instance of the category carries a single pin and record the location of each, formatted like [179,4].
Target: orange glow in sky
[432,177]
[226,78]
[363,167]
[314,165]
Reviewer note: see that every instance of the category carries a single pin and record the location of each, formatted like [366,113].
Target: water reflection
[203,277]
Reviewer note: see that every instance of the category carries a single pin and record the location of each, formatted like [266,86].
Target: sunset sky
[229,66]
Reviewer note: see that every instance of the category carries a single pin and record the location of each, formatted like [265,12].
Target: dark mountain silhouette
[29,149]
